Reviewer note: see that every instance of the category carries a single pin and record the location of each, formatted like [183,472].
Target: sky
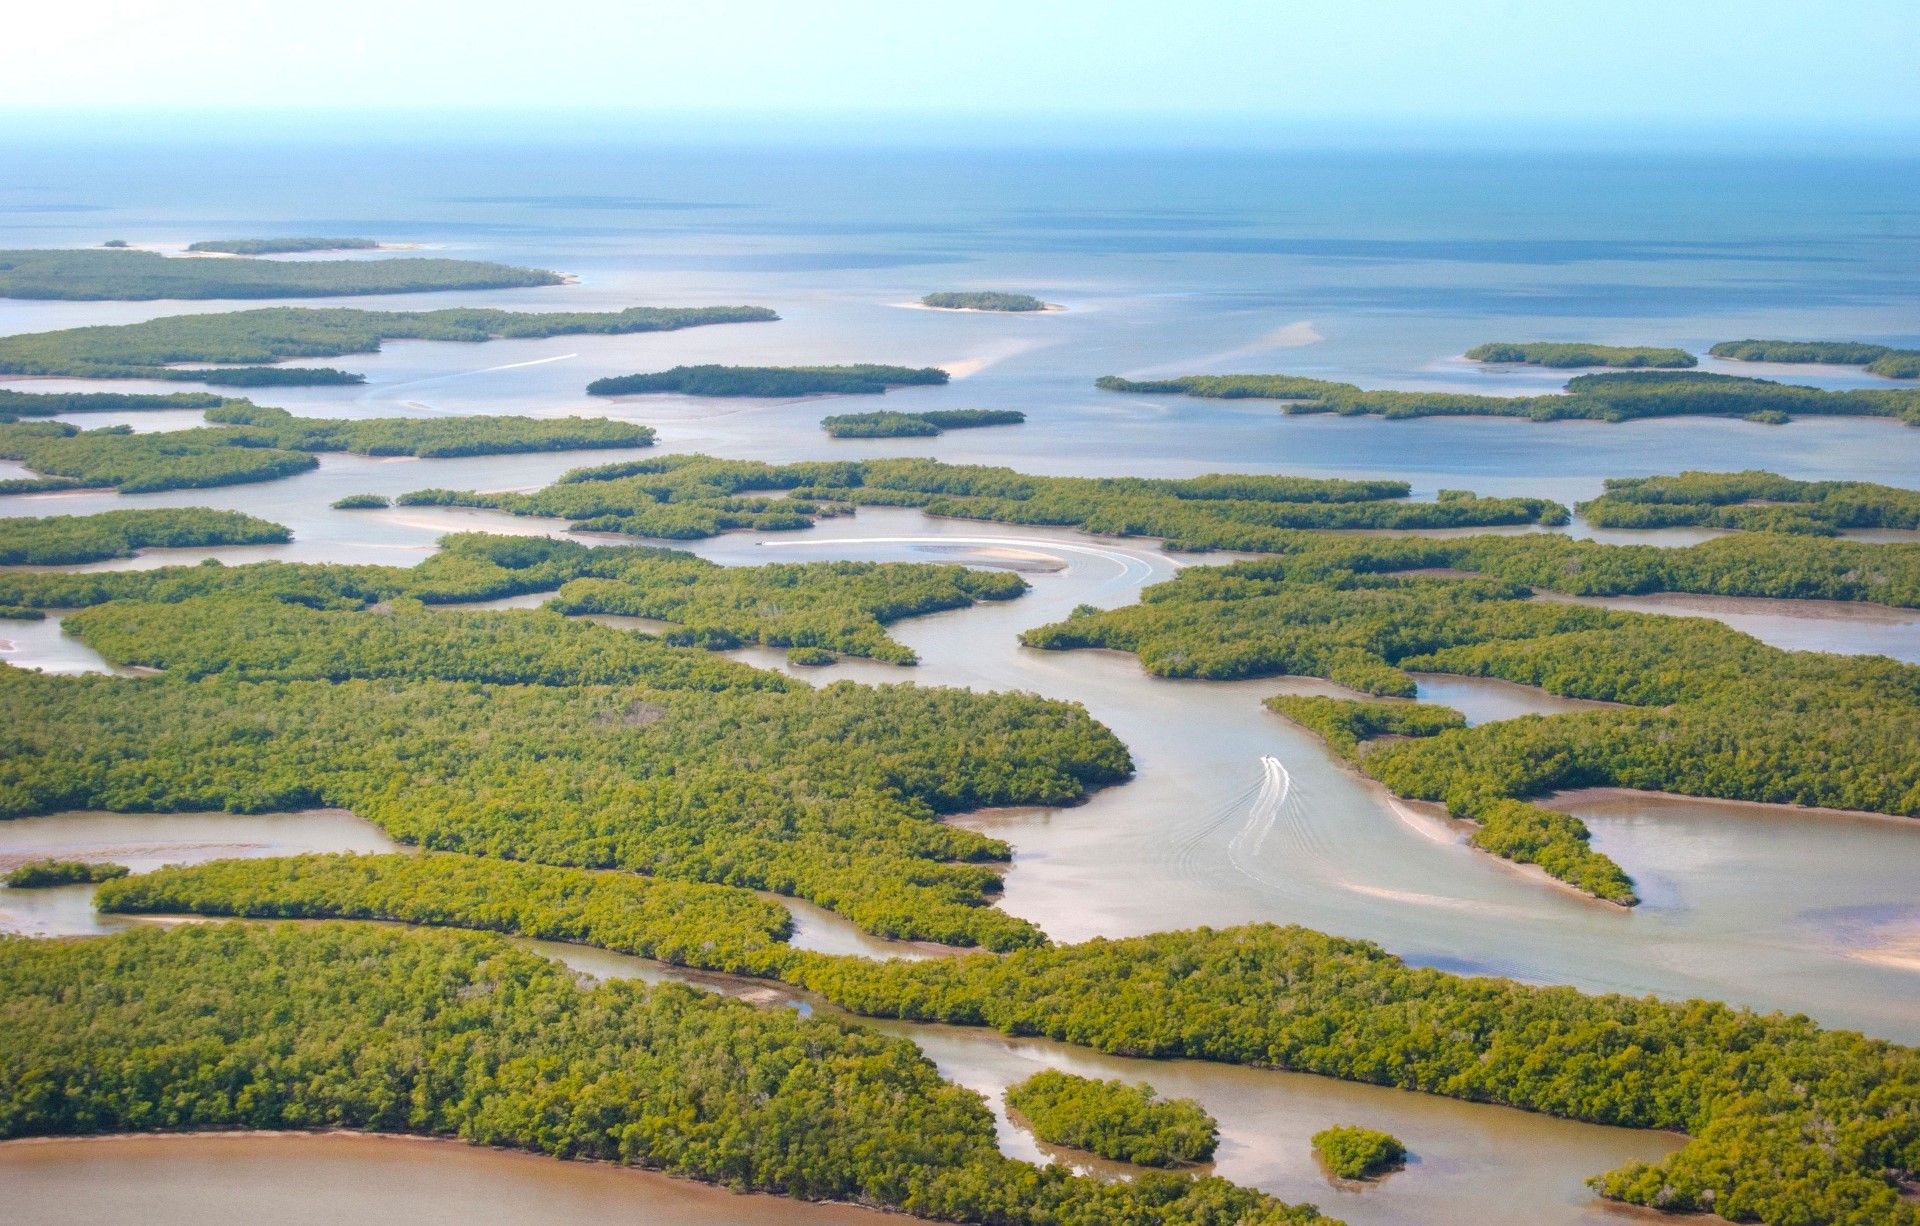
[1841,64]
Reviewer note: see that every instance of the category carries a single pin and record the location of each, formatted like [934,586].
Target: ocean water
[1379,269]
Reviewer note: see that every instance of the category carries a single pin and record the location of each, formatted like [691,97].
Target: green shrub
[1754,500]
[65,540]
[917,425]
[142,275]
[282,246]
[1789,1124]
[246,342]
[1125,1123]
[1570,354]
[859,380]
[684,497]
[879,425]
[983,300]
[251,443]
[47,404]
[1359,1153]
[43,873]
[1614,396]
[1881,360]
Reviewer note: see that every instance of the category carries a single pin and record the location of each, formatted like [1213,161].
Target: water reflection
[1484,700]
[44,646]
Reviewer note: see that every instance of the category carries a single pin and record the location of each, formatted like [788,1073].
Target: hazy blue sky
[1528,61]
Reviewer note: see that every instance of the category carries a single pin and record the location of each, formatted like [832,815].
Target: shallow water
[145,841]
[42,645]
[1483,700]
[307,1180]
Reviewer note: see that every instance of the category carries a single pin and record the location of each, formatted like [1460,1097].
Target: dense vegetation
[917,425]
[279,640]
[837,606]
[467,567]
[117,458]
[1878,359]
[1712,712]
[253,443]
[1753,500]
[715,927]
[1344,724]
[841,606]
[430,438]
[1126,1123]
[1563,354]
[1359,1153]
[64,540]
[707,927]
[881,425]
[542,738]
[281,246]
[832,795]
[41,874]
[244,342]
[137,276]
[361,502]
[1619,396]
[688,496]
[15,405]
[39,485]
[982,300]
[673,498]
[1793,567]
[865,379]
[459,1034]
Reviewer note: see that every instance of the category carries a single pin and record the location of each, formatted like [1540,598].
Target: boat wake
[1275,785]
[1278,808]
